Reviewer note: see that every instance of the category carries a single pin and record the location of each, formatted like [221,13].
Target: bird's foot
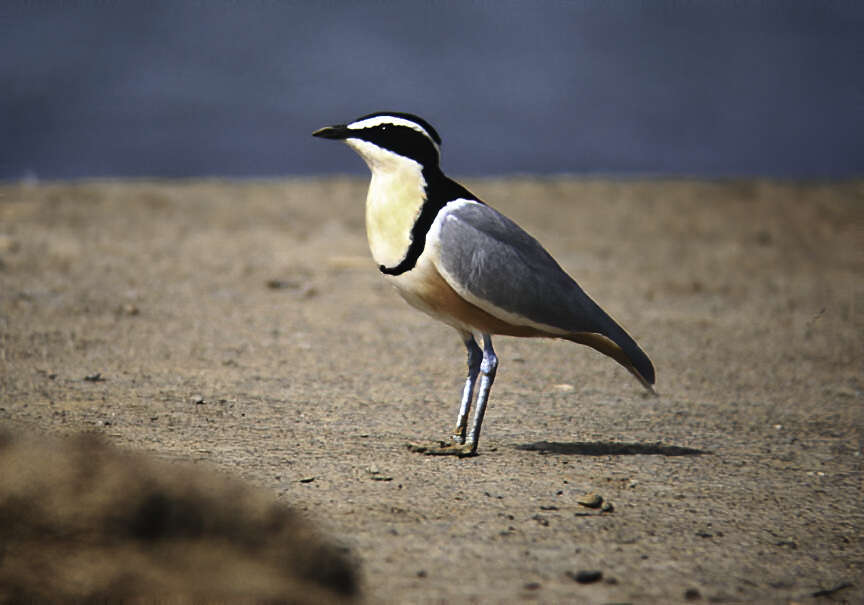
[442,448]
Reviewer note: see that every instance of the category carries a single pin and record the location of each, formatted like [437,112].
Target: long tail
[610,339]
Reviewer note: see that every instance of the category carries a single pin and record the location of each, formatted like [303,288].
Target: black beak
[339,131]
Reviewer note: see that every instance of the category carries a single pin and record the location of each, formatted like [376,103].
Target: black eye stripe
[403,140]
[405,116]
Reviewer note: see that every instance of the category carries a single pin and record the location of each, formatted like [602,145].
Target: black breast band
[440,190]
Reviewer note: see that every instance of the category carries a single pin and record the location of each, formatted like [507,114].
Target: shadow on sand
[601,448]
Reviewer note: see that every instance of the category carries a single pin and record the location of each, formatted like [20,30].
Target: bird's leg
[488,367]
[478,362]
[475,358]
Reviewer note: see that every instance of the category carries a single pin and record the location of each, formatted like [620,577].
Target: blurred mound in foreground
[82,520]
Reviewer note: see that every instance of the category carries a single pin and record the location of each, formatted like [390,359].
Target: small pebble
[692,594]
[376,475]
[591,500]
[541,520]
[532,586]
[607,507]
[585,576]
[95,377]
[282,284]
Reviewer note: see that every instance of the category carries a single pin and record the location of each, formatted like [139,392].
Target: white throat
[394,201]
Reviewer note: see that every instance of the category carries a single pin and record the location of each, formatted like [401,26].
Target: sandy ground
[243,326]
[82,521]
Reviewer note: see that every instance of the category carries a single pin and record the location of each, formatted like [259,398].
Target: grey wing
[498,263]
[503,268]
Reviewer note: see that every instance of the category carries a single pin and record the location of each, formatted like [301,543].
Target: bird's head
[388,139]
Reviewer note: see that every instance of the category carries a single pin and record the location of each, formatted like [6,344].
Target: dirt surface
[244,326]
[85,522]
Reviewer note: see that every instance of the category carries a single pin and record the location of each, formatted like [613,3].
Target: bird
[457,259]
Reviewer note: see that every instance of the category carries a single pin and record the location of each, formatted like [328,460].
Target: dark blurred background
[619,88]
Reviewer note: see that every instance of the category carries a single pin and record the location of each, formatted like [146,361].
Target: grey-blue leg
[488,368]
[481,364]
[475,359]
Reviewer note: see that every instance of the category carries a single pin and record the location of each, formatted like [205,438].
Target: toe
[440,448]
